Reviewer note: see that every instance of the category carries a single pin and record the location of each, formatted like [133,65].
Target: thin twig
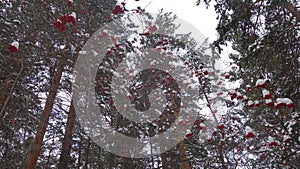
[220,146]
[148,4]
[11,91]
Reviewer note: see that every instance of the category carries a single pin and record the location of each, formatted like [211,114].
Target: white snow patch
[269,101]
[260,82]
[15,44]
[265,92]
[250,102]
[7,23]
[248,129]
[73,14]
[270,139]
[17,21]
[286,137]
[82,52]
[284,100]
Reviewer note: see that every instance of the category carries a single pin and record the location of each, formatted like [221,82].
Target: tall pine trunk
[184,161]
[67,140]
[36,146]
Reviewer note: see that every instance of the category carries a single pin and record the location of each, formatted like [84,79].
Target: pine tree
[266,36]
[32,44]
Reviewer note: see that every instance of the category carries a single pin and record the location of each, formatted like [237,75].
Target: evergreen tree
[266,36]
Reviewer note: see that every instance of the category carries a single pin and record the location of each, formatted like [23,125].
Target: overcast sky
[200,17]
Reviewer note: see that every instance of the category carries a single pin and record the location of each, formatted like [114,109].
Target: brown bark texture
[67,140]
[36,146]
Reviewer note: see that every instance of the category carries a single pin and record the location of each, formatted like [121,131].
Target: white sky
[202,18]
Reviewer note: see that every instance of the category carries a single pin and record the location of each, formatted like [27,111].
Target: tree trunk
[36,146]
[66,143]
[184,161]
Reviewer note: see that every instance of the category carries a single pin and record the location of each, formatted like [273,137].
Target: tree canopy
[258,128]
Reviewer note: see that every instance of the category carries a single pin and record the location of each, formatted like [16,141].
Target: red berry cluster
[61,22]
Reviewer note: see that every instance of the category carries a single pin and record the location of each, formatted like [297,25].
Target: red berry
[250,135]
[221,126]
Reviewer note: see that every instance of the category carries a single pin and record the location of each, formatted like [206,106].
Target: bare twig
[11,90]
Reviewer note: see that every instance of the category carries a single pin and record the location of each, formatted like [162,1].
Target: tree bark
[184,161]
[36,146]
[66,143]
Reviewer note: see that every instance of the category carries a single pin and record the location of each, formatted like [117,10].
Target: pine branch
[293,10]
